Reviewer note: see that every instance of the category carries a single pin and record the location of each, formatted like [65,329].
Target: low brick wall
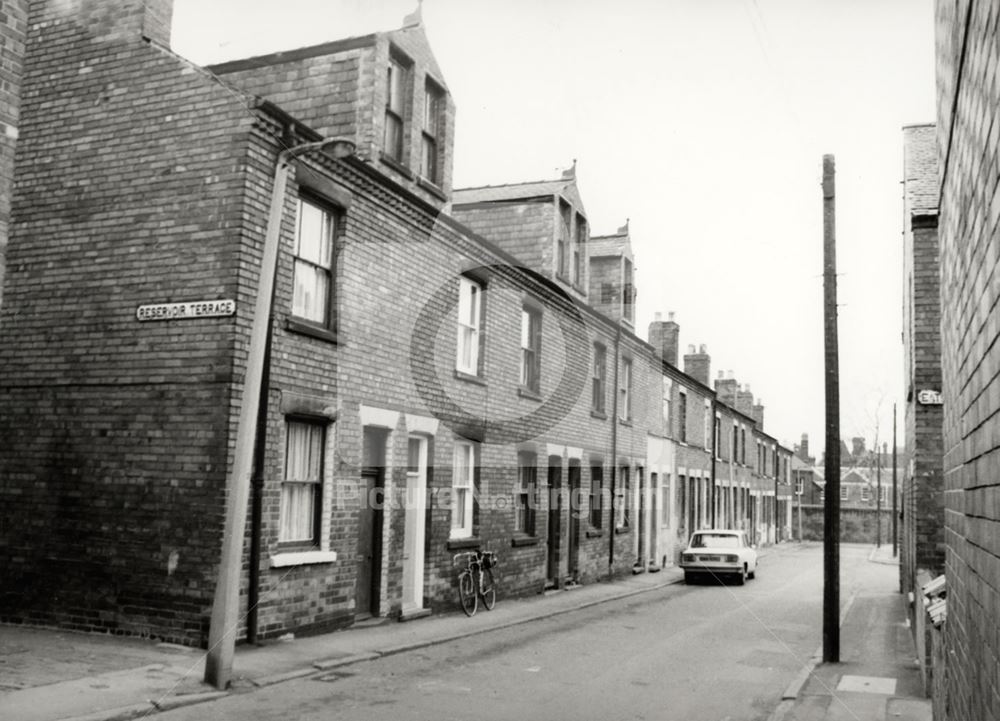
[857,525]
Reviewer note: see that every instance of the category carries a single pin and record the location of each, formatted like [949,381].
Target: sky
[704,124]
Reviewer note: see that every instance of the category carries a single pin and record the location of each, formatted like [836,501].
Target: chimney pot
[690,350]
[704,348]
[657,316]
[670,316]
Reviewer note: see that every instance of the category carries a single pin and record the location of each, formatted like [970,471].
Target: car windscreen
[715,540]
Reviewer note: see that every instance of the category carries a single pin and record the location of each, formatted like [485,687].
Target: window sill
[594,533]
[525,392]
[621,529]
[601,415]
[433,188]
[457,544]
[468,378]
[396,165]
[302,558]
[519,541]
[625,421]
[304,327]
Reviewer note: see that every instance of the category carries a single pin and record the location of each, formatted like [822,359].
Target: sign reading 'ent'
[185,311]
[929,398]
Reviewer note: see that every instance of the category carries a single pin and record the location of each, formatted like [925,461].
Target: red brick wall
[13,26]
[922,532]
[969,244]
[129,192]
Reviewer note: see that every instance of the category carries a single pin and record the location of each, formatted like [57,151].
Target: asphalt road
[707,652]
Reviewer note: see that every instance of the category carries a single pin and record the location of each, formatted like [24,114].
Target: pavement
[56,675]
[878,676]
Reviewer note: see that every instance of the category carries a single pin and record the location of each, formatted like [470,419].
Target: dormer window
[628,292]
[580,237]
[431,138]
[563,241]
[397,81]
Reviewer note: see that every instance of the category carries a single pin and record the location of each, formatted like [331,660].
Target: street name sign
[186,311]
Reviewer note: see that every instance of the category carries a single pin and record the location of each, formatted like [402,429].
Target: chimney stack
[122,19]
[697,364]
[663,336]
[857,447]
[744,400]
[758,413]
[725,389]
[804,447]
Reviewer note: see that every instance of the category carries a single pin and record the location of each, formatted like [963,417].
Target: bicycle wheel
[467,592]
[489,589]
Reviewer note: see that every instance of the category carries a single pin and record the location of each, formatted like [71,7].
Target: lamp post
[225,604]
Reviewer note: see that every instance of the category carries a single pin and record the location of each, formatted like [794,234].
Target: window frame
[469,335]
[564,240]
[526,494]
[579,242]
[707,425]
[465,484]
[396,116]
[682,415]
[667,390]
[332,221]
[628,292]
[622,497]
[596,496]
[313,541]
[531,354]
[625,390]
[430,138]
[598,387]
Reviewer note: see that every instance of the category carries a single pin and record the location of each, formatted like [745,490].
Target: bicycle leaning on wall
[477,580]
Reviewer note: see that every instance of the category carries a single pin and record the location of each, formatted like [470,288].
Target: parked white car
[719,552]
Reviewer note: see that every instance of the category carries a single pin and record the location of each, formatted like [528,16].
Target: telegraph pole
[878,497]
[831,510]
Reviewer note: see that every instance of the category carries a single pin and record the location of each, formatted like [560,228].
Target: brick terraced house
[440,375]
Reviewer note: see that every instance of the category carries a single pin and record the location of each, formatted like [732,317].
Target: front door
[369,567]
[555,514]
[414,524]
[575,509]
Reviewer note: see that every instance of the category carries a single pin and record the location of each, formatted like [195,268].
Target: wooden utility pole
[831,510]
[225,621]
[878,497]
[895,548]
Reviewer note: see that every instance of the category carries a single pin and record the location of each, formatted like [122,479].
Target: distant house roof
[616,244]
[921,169]
[513,191]
[564,186]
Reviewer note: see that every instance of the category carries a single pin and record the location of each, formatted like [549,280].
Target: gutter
[614,453]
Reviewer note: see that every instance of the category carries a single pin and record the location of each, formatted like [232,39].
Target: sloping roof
[513,191]
[920,169]
[564,186]
[613,245]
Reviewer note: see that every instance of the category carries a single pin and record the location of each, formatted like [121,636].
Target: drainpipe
[775,499]
[614,452]
[257,490]
[716,430]
[225,603]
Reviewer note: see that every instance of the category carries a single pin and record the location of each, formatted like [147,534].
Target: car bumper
[713,568]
